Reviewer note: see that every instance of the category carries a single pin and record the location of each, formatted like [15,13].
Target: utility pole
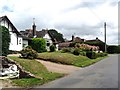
[105,36]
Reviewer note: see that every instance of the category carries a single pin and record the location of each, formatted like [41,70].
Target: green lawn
[35,68]
[39,70]
[67,58]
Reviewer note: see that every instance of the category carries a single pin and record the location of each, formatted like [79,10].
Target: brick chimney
[34,28]
[73,37]
[96,38]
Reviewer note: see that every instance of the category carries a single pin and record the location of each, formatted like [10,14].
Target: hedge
[38,44]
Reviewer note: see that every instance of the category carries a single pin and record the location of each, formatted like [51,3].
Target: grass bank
[35,68]
[67,58]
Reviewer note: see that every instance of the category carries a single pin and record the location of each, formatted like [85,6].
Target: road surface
[103,74]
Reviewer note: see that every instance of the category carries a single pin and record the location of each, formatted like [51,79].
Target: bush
[76,51]
[29,53]
[83,53]
[38,44]
[113,49]
[72,44]
[5,37]
[101,54]
[64,50]
[52,48]
[91,54]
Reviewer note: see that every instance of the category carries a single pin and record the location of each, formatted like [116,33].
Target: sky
[81,18]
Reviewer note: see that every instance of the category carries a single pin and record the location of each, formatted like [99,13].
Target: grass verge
[35,68]
[67,58]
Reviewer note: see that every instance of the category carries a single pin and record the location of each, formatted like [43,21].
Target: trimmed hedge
[113,49]
[38,44]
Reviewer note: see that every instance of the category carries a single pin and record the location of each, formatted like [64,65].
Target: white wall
[13,36]
[48,39]
[56,47]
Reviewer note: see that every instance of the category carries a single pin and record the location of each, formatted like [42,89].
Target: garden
[79,55]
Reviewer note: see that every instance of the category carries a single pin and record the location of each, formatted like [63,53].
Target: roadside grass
[67,58]
[35,68]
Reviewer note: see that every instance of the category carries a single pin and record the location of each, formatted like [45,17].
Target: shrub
[38,44]
[72,44]
[76,51]
[52,48]
[29,53]
[5,40]
[113,49]
[91,54]
[64,50]
[83,53]
[101,54]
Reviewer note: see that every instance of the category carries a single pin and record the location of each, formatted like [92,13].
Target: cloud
[6,8]
[85,18]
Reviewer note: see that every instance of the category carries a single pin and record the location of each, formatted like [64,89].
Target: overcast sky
[82,18]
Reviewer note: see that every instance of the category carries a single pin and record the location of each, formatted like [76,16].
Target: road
[103,74]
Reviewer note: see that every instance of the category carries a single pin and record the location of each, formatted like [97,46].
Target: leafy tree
[113,49]
[54,34]
[38,44]
[5,40]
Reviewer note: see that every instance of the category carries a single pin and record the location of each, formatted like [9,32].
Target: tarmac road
[103,74]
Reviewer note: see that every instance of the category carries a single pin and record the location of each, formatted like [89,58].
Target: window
[20,41]
[48,44]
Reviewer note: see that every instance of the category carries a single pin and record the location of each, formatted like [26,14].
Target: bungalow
[17,40]
[79,40]
[95,40]
[67,43]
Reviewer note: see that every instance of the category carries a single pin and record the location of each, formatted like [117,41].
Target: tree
[113,49]
[5,40]
[54,34]
[38,44]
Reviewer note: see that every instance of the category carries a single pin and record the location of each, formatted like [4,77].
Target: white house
[16,43]
[33,33]
[49,40]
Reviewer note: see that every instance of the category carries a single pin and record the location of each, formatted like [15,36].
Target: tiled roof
[39,34]
[64,44]
[94,40]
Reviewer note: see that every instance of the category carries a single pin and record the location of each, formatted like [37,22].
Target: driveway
[103,74]
[58,68]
